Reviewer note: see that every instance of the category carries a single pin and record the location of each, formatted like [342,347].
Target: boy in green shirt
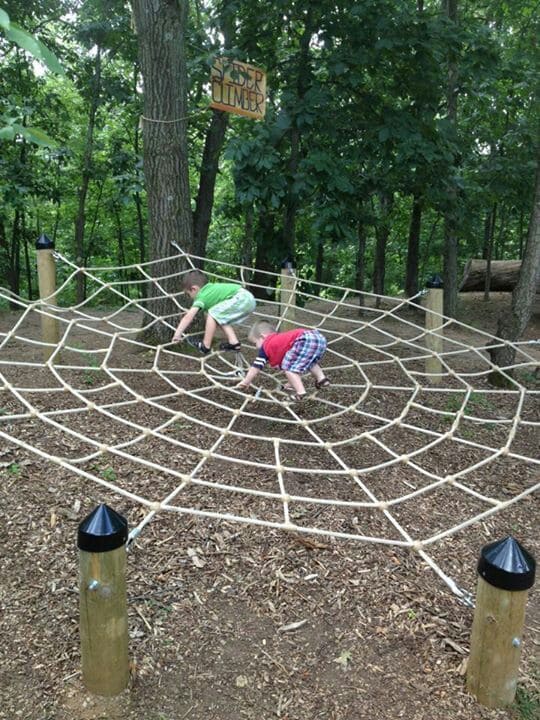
[225,304]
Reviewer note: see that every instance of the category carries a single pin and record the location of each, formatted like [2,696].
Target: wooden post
[47,287]
[434,332]
[506,572]
[287,295]
[102,541]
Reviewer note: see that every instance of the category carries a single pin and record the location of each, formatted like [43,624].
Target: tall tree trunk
[204,202]
[302,85]
[124,288]
[137,194]
[487,254]
[450,253]
[160,27]
[319,263]
[213,145]
[361,262]
[521,233]
[14,268]
[512,324]
[382,232]
[86,176]
[27,266]
[489,227]
[499,243]
[413,247]
[263,260]
[246,252]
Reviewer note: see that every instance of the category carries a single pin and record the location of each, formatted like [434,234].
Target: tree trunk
[319,264]
[263,261]
[246,252]
[361,262]
[489,227]
[504,275]
[207,182]
[302,84]
[213,144]
[513,323]
[86,176]
[124,288]
[137,194]
[450,253]
[382,231]
[14,269]
[488,250]
[160,27]
[413,248]
[26,256]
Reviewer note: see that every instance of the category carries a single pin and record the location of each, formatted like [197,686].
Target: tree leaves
[4,19]
[30,43]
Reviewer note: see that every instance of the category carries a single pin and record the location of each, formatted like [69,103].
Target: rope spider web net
[390,453]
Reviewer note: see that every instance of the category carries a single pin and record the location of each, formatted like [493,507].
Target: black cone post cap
[435,281]
[505,564]
[102,530]
[288,263]
[44,243]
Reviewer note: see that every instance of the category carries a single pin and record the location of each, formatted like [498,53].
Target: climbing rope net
[409,444]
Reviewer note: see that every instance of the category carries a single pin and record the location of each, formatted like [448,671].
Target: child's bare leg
[209,331]
[317,373]
[229,333]
[295,381]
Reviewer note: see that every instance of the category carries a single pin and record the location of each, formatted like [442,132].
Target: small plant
[527,704]
[14,469]
[474,402]
[92,373]
[108,474]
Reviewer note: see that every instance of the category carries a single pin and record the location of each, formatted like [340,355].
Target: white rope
[380,389]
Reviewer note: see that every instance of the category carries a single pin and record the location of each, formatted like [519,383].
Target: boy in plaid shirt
[296,352]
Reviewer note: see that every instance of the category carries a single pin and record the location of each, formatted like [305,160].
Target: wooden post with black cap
[433,324]
[506,572]
[102,538]
[46,270]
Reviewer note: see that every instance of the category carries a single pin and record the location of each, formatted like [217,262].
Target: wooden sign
[238,88]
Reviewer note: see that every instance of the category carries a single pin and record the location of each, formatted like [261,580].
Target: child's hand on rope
[178,337]
[244,388]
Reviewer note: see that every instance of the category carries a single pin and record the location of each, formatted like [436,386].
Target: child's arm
[184,323]
[250,377]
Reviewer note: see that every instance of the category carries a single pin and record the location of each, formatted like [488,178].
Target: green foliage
[527,704]
[356,110]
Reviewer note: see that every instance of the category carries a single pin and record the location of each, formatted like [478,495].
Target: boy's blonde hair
[194,277]
[260,328]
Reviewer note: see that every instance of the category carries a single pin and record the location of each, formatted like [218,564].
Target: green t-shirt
[213,293]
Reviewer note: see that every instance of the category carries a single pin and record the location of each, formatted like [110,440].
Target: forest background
[400,137]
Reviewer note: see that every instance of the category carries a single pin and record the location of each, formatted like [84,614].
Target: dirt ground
[231,621]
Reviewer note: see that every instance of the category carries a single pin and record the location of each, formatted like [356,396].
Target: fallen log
[504,275]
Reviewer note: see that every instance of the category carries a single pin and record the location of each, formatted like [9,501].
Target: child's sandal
[298,397]
[322,383]
[198,345]
[235,347]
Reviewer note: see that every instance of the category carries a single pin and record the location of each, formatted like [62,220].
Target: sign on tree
[238,88]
